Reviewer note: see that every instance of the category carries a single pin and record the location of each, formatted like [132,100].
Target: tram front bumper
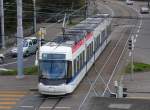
[53,90]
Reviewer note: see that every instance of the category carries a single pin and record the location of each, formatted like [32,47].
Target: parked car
[144,9]
[30,45]
[129,2]
[2,58]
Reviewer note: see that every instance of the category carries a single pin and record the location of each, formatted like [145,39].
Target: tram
[65,61]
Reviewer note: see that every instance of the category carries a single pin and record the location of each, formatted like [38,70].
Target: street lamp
[34,16]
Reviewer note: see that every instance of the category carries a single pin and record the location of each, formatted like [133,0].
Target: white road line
[135,40]
[138,30]
[140,21]
[55,107]
[136,36]
[26,106]
[139,26]
[45,107]
[11,63]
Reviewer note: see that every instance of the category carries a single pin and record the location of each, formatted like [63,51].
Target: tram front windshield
[53,69]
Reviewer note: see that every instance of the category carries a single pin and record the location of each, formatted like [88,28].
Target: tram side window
[69,70]
[81,63]
[91,49]
[108,30]
[75,66]
[83,57]
[97,42]
[78,63]
[88,52]
[103,35]
[99,39]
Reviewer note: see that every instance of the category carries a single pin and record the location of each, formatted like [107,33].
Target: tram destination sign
[47,56]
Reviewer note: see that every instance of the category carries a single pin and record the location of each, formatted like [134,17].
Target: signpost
[41,34]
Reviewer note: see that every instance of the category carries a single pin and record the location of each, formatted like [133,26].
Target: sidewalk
[12,83]
[139,87]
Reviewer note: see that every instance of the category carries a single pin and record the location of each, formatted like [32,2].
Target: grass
[27,71]
[138,67]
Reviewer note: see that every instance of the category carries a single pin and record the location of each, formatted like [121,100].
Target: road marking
[26,106]
[45,107]
[11,95]
[136,35]
[6,107]
[138,31]
[9,99]
[139,26]
[7,103]
[134,40]
[55,107]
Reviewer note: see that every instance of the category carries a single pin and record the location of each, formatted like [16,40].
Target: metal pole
[116,88]
[148,3]
[132,66]
[34,24]
[132,62]
[20,74]
[86,9]
[2,24]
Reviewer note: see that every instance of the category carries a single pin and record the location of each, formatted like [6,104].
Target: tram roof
[92,21]
[78,32]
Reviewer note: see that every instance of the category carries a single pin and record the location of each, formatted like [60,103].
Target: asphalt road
[142,45]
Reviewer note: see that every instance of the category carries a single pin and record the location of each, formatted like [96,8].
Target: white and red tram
[64,62]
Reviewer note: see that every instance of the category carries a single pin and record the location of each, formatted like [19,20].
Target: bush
[27,71]
[138,67]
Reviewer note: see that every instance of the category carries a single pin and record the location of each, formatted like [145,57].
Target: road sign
[42,32]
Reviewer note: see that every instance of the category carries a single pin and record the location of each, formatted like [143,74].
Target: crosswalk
[9,98]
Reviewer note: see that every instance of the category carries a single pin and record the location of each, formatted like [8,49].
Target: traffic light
[130,44]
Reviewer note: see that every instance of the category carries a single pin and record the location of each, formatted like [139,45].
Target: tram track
[107,67]
[115,57]
[52,106]
[107,72]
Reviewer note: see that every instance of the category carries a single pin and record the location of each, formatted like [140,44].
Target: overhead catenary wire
[115,17]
